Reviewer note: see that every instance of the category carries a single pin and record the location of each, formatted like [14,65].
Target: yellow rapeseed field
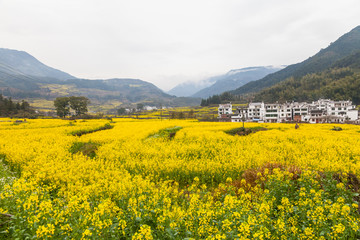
[134,181]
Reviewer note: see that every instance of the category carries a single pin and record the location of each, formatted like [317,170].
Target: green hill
[23,77]
[336,84]
[345,46]
[340,82]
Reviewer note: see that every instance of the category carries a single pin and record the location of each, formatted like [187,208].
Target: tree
[11,108]
[79,104]
[226,96]
[62,105]
[121,111]
[139,106]
[181,115]
[203,103]
[10,105]
[172,115]
[25,106]
[191,113]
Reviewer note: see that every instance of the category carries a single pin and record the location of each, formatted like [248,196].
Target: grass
[86,148]
[244,131]
[166,133]
[87,131]
[337,129]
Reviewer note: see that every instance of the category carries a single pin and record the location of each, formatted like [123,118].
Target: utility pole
[243,117]
[160,112]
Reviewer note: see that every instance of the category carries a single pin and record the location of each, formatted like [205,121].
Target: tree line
[9,108]
[222,98]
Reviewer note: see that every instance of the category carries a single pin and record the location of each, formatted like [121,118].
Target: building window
[271,115]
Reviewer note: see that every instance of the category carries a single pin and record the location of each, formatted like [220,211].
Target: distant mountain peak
[22,63]
[345,45]
[218,84]
[22,76]
[256,68]
[234,79]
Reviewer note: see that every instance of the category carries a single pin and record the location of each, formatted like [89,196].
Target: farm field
[177,179]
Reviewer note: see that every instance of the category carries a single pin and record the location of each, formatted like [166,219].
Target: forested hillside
[345,46]
[336,84]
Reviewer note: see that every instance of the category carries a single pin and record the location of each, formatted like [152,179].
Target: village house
[225,112]
[320,111]
[225,109]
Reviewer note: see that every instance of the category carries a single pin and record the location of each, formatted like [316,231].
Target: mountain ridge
[342,47]
[22,63]
[22,76]
[225,82]
[234,79]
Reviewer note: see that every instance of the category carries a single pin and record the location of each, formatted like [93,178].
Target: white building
[225,109]
[285,112]
[342,111]
[320,111]
[256,111]
[272,113]
[326,110]
[150,108]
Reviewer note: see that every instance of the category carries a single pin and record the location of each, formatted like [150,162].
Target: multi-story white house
[272,112]
[256,111]
[240,115]
[320,111]
[251,112]
[285,112]
[225,109]
[326,110]
[342,110]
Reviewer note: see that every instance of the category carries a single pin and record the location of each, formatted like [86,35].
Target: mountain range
[333,72]
[339,82]
[234,79]
[345,46]
[222,83]
[24,77]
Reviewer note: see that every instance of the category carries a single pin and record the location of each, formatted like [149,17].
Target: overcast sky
[171,41]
